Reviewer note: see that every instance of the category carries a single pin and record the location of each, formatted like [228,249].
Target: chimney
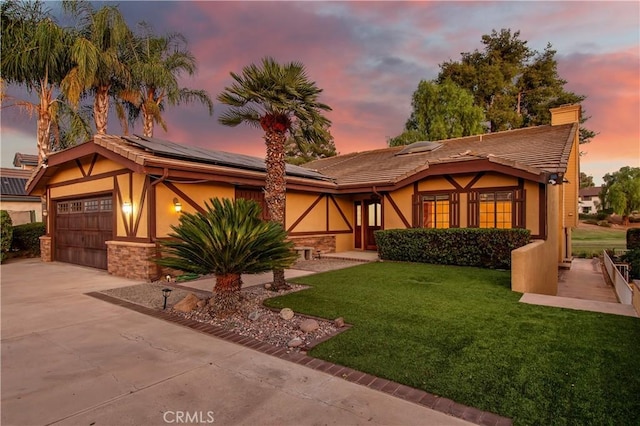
[565,114]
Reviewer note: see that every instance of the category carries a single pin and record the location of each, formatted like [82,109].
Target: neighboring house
[111,199]
[14,199]
[25,161]
[589,200]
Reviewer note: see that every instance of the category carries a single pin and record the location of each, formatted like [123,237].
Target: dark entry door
[372,222]
[82,226]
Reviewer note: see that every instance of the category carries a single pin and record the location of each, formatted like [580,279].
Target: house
[21,207]
[113,198]
[589,200]
[25,161]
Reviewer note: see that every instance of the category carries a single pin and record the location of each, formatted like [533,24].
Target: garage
[82,227]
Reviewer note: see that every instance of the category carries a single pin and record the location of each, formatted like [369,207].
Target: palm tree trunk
[275,188]
[101,109]
[44,123]
[226,292]
[147,122]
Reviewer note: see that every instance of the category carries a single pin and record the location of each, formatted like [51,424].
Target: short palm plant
[228,239]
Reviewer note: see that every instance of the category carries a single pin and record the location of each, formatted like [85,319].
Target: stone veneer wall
[132,260]
[324,243]
[45,248]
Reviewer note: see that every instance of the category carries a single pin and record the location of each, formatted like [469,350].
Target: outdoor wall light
[127,208]
[165,294]
[177,205]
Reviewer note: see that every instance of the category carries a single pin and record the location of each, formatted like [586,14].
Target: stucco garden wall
[534,267]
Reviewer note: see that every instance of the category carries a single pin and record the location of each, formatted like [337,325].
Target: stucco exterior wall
[403,199]
[20,211]
[78,189]
[534,267]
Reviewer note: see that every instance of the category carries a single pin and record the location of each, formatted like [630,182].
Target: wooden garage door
[82,227]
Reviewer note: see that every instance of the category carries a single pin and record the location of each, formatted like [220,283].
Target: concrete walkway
[583,287]
[70,359]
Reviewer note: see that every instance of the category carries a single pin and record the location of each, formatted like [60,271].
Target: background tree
[514,84]
[155,65]
[586,181]
[275,98]
[621,191]
[228,239]
[299,150]
[440,111]
[97,51]
[35,55]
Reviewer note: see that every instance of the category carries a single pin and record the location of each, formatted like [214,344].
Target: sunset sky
[369,57]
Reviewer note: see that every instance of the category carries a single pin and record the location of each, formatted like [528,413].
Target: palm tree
[156,63]
[228,239]
[275,97]
[96,52]
[35,54]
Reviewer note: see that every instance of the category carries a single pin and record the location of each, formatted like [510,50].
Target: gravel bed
[269,327]
[323,265]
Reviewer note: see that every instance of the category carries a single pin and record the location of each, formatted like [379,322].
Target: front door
[372,222]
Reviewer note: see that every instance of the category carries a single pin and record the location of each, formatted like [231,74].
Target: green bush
[633,238]
[6,233]
[26,238]
[487,248]
[632,257]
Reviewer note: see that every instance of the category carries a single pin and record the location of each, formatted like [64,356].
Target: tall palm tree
[96,51]
[275,97]
[227,240]
[156,63]
[35,55]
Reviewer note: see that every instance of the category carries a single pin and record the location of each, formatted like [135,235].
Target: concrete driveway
[70,359]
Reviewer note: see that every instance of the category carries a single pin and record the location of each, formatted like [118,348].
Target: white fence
[623,289]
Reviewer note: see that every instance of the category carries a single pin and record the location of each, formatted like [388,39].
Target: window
[374,214]
[106,204]
[436,211]
[91,205]
[76,207]
[63,208]
[496,209]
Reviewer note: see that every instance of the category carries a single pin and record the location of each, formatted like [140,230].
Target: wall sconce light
[177,205]
[127,208]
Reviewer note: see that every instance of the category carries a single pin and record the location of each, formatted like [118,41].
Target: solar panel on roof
[169,149]
[421,146]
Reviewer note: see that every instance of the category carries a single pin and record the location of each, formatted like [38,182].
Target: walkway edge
[578,304]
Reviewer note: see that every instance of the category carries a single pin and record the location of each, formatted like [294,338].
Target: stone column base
[45,248]
[132,260]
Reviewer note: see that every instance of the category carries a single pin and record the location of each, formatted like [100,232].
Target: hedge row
[6,231]
[633,238]
[26,238]
[486,248]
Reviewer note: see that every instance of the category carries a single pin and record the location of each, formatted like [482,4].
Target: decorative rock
[286,314]
[187,304]
[254,315]
[201,303]
[295,342]
[268,286]
[339,322]
[309,325]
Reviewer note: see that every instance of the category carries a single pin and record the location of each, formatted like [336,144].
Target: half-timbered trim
[305,213]
[453,182]
[90,178]
[79,164]
[307,233]
[342,215]
[398,211]
[184,196]
[473,181]
[141,202]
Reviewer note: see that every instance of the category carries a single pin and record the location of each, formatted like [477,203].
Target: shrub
[6,233]
[632,257]
[487,248]
[633,238]
[26,238]
[602,216]
[604,223]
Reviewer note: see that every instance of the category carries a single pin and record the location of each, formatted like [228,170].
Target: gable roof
[532,151]
[163,159]
[593,191]
[25,160]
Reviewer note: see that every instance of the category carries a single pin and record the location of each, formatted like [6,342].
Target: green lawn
[460,333]
[587,242]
